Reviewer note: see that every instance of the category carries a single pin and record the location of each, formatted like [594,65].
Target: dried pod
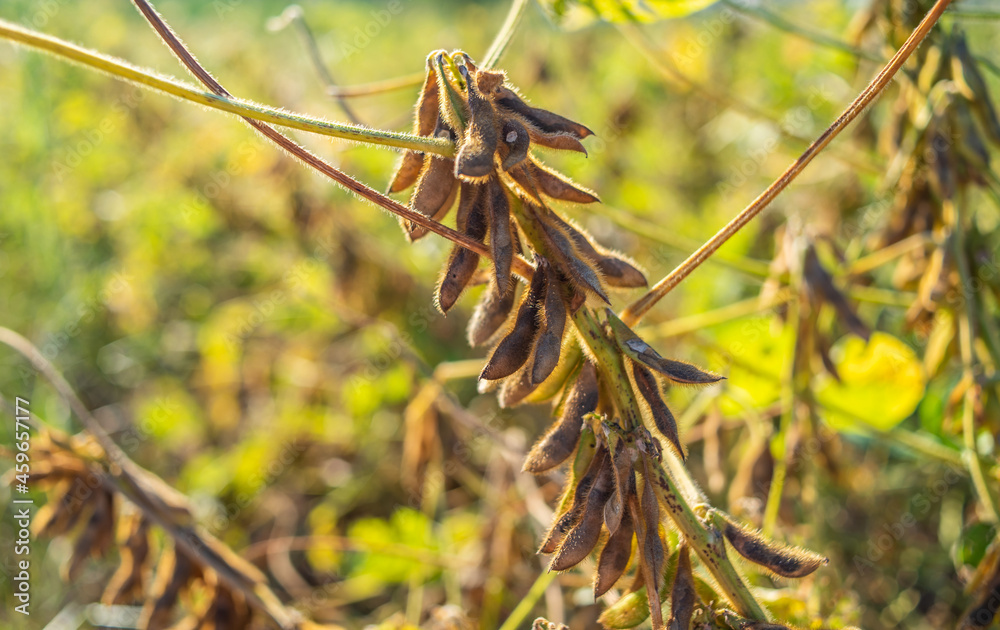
[787,562]
[127,583]
[490,313]
[515,348]
[682,594]
[535,179]
[662,417]
[820,281]
[561,440]
[94,539]
[516,388]
[435,193]
[651,546]
[569,260]
[462,263]
[614,557]
[616,270]
[501,240]
[427,108]
[561,141]
[565,522]
[639,350]
[545,121]
[621,463]
[173,572]
[549,345]
[582,539]
[517,141]
[475,157]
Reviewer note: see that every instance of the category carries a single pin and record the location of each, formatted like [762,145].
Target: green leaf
[883,381]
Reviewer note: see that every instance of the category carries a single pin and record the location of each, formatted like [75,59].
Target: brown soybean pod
[561,440]
[662,417]
[515,348]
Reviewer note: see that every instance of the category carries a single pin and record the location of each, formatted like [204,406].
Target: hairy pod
[787,562]
[573,266]
[462,263]
[560,141]
[652,546]
[565,522]
[475,157]
[517,387]
[128,581]
[543,120]
[617,270]
[549,345]
[490,313]
[515,348]
[427,109]
[614,557]
[501,239]
[640,351]
[624,482]
[582,539]
[435,193]
[561,440]
[662,417]
[535,180]
[517,141]
[682,593]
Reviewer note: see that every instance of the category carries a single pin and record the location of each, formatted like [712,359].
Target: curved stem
[224,102]
[634,312]
[378,87]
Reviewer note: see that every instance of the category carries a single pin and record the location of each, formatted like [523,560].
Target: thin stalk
[635,312]
[527,604]
[378,87]
[694,323]
[365,192]
[888,254]
[503,37]
[224,102]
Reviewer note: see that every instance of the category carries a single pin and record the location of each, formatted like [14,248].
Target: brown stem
[640,307]
[521,267]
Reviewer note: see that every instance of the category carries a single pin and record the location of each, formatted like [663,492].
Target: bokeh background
[268,344]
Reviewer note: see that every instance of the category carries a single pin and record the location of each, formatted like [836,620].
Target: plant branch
[224,102]
[378,87]
[365,192]
[634,312]
[157,500]
[503,37]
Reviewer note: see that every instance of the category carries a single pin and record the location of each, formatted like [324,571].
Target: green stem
[503,37]
[527,604]
[247,109]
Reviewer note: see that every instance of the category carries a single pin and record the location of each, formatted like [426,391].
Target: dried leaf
[560,441]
